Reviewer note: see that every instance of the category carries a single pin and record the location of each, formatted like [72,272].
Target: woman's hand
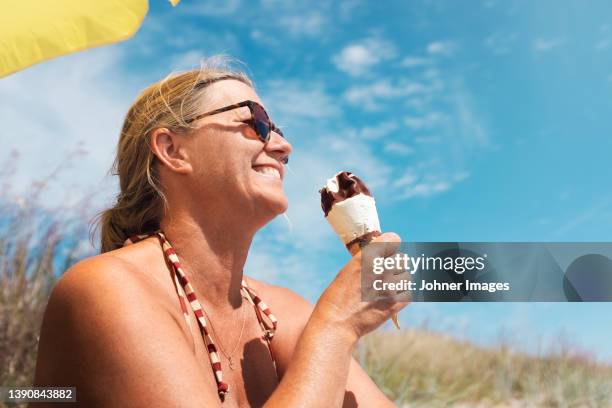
[341,304]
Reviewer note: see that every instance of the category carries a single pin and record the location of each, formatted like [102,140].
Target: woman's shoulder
[123,269]
[98,273]
[102,285]
[104,330]
[101,288]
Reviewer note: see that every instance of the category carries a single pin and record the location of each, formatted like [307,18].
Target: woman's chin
[274,204]
[269,199]
[279,205]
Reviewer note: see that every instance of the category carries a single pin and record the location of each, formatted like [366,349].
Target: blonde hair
[170,103]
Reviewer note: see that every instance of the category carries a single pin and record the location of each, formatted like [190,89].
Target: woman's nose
[278,146]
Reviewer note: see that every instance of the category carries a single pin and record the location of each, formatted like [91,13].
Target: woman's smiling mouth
[268,171]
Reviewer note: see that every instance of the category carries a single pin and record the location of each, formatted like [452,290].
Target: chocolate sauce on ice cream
[348,185]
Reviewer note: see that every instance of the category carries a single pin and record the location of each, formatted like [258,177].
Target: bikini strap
[268,326]
[187,295]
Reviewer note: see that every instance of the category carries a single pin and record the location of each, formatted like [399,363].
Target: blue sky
[470,121]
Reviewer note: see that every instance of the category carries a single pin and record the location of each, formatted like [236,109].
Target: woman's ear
[167,147]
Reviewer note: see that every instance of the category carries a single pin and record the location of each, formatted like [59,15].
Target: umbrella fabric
[32,31]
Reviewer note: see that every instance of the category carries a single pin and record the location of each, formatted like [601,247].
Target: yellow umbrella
[32,31]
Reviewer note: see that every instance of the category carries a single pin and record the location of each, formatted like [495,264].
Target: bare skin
[114,328]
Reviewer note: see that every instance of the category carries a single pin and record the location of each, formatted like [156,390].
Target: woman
[164,317]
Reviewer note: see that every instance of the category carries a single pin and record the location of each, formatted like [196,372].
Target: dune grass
[36,245]
[424,369]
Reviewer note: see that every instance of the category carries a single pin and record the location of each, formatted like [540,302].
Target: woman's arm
[322,372]
[317,374]
[294,313]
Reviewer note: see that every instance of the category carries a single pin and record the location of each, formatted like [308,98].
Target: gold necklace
[230,355]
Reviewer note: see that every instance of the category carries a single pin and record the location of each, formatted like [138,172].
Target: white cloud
[371,95]
[64,105]
[471,130]
[425,189]
[593,211]
[428,121]
[292,99]
[445,128]
[212,8]
[290,18]
[461,176]
[190,40]
[187,60]
[263,37]
[417,103]
[268,20]
[378,131]
[405,180]
[348,8]
[543,45]
[399,149]
[500,43]
[222,43]
[358,58]
[412,61]
[431,74]
[427,140]
[604,44]
[310,24]
[453,134]
[442,48]
[279,4]
[419,183]
[449,132]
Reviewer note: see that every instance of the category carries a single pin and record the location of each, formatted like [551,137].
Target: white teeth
[268,171]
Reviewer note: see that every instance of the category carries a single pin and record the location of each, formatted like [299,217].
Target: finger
[388,244]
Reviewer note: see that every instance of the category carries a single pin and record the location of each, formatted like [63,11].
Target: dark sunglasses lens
[261,122]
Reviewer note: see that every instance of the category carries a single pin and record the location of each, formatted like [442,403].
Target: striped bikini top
[187,295]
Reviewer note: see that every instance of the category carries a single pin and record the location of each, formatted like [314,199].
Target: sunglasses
[260,121]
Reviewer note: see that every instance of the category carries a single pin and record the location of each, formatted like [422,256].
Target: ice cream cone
[351,211]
